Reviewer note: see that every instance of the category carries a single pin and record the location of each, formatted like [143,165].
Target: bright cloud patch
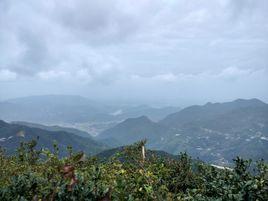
[7,75]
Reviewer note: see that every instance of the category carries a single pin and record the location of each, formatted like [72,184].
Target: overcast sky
[175,52]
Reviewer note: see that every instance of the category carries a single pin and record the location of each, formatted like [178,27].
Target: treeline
[41,175]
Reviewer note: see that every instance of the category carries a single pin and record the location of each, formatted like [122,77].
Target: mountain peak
[135,129]
[139,119]
[209,111]
[252,100]
[239,101]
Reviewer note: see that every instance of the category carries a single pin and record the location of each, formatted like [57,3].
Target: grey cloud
[98,22]
[35,56]
[98,45]
[47,45]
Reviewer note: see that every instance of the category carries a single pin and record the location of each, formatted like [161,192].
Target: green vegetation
[34,174]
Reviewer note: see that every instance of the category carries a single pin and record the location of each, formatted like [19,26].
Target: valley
[214,132]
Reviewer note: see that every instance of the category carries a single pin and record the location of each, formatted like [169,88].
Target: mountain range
[212,132]
[59,109]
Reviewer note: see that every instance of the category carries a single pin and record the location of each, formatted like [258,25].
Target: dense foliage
[34,174]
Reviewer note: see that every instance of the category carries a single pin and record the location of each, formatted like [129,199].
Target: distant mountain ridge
[57,109]
[12,134]
[213,132]
[207,111]
[54,128]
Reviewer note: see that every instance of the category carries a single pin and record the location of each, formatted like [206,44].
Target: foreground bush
[41,175]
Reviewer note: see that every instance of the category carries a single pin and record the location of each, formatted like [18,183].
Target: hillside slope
[135,129]
[11,135]
[213,132]
[54,128]
[242,132]
[207,111]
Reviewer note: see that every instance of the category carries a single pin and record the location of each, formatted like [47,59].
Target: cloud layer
[87,46]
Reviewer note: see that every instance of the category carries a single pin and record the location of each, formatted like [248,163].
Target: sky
[173,52]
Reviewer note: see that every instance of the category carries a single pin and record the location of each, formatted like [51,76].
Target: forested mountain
[135,129]
[208,111]
[242,132]
[213,132]
[12,134]
[54,128]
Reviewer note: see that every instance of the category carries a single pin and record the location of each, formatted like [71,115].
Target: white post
[143,152]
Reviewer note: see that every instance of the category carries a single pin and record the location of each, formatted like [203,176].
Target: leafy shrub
[41,175]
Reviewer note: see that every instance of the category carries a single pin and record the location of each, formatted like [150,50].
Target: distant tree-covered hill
[135,129]
[12,134]
[208,111]
[57,109]
[54,128]
[213,132]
